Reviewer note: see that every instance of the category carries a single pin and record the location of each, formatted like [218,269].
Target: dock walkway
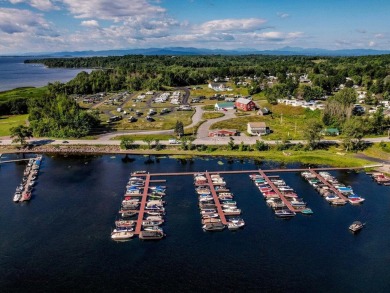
[142,205]
[216,199]
[334,189]
[274,188]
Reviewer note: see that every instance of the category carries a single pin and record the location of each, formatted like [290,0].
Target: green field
[286,122]
[6,122]
[28,92]
[212,115]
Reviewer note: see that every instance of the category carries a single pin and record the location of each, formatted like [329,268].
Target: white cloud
[379,36]
[38,4]
[112,10]
[13,21]
[90,23]
[371,44]
[282,14]
[232,25]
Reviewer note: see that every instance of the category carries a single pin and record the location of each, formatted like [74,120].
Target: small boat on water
[213,226]
[17,196]
[235,225]
[153,228]
[151,235]
[284,213]
[124,223]
[121,235]
[127,214]
[151,223]
[139,172]
[307,211]
[211,220]
[155,218]
[356,226]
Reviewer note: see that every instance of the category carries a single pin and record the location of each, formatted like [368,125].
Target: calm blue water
[14,73]
[61,239]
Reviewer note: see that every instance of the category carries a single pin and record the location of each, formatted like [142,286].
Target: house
[258,128]
[224,105]
[263,111]
[330,131]
[223,132]
[219,86]
[245,104]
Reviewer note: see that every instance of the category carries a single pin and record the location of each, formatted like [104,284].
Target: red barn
[245,104]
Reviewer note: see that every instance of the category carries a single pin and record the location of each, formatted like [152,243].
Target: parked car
[132,119]
[149,118]
[173,141]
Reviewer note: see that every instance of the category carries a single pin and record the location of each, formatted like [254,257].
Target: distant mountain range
[286,51]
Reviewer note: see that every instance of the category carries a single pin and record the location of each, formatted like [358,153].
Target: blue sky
[72,25]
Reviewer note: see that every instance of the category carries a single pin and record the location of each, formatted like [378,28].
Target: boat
[235,226]
[356,226]
[124,223]
[140,172]
[355,200]
[213,226]
[211,220]
[284,213]
[307,211]
[338,202]
[127,214]
[155,218]
[151,223]
[153,228]
[121,235]
[231,211]
[208,216]
[151,235]
[154,213]
[17,196]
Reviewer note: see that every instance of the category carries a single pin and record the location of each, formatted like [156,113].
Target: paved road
[203,130]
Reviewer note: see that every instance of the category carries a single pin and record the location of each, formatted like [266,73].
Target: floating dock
[141,212]
[216,199]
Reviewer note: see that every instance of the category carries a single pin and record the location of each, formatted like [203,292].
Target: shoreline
[303,158]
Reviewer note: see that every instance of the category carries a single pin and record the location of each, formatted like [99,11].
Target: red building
[245,104]
[223,132]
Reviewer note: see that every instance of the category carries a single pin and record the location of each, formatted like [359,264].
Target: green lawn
[286,122]
[212,115]
[6,122]
[28,92]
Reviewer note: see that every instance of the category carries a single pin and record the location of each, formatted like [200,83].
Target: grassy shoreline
[310,158]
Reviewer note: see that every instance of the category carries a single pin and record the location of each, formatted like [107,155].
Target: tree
[353,131]
[157,144]
[312,134]
[261,145]
[148,141]
[179,128]
[126,143]
[20,133]
[190,140]
[231,143]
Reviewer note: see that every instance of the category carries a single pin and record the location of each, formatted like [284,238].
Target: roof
[331,130]
[225,105]
[214,84]
[243,101]
[223,130]
[257,124]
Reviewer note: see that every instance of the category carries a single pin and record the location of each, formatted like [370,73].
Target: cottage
[330,131]
[223,132]
[219,86]
[224,105]
[245,104]
[258,128]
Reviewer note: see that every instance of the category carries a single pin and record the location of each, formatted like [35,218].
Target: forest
[138,72]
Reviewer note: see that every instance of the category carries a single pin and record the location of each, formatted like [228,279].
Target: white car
[173,141]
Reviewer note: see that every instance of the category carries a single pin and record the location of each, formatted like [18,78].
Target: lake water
[14,73]
[60,240]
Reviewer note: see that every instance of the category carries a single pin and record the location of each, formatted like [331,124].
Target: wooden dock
[216,199]
[276,190]
[334,189]
[13,161]
[142,205]
[250,171]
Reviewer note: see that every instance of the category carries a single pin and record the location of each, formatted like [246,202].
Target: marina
[30,175]
[77,203]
